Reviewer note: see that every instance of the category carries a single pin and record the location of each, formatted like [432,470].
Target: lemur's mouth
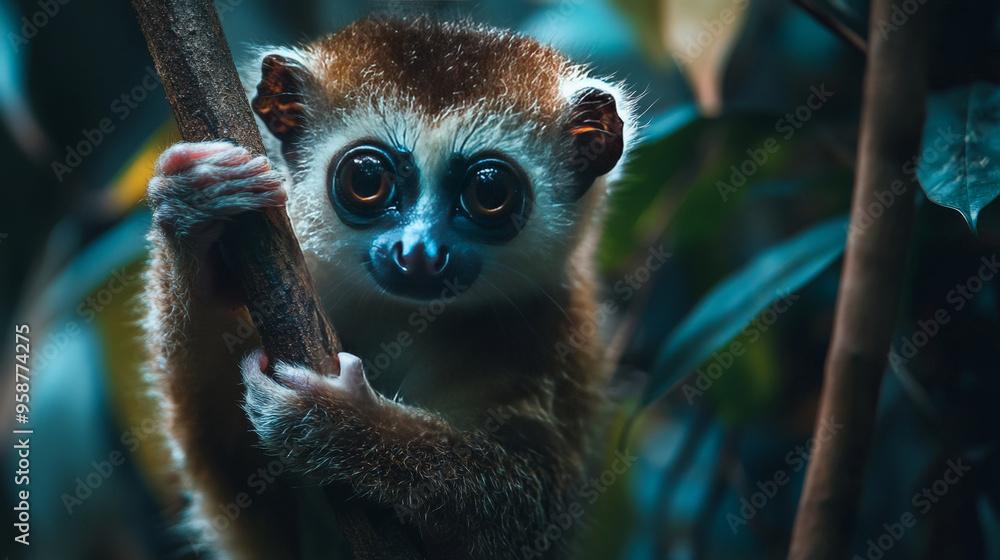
[446,290]
[420,275]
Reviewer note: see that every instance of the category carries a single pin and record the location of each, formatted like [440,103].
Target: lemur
[446,183]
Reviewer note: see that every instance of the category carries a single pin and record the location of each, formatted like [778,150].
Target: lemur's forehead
[463,132]
[441,67]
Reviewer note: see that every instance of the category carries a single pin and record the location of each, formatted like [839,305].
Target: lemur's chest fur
[430,354]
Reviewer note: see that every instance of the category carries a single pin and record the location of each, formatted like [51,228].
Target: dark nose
[420,260]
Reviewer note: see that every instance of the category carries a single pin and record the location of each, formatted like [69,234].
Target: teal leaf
[961,149]
[734,302]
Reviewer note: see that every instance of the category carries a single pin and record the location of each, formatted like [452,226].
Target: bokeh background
[743,178]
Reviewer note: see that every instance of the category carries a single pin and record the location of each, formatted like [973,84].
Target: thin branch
[892,116]
[204,90]
[835,26]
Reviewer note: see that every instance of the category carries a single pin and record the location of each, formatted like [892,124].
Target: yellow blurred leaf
[700,35]
[129,187]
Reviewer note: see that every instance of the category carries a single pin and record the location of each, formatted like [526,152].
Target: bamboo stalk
[895,96]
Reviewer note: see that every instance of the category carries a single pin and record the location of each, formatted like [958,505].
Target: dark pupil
[366,176]
[492,188]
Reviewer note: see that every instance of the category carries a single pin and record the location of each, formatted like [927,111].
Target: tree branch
[833,24]
[209,103]
[895,96]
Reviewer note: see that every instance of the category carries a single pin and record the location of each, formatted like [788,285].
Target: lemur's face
[457,206]
[416,198]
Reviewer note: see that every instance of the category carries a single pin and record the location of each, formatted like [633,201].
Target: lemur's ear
[280,96]
[597,132]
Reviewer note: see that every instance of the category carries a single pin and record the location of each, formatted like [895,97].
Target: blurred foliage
[697,36]
[634,208]
[772,278]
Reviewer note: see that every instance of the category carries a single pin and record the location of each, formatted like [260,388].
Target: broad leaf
[733,303]
[666,148]
[697,35]
[961,146]
[700,36]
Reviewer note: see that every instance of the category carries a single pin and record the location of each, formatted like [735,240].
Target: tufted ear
[597,134]
[281,96]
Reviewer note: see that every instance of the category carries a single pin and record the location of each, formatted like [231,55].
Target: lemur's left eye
[492,192]
[365,180]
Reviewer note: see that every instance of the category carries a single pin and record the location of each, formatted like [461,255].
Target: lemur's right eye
[365,180]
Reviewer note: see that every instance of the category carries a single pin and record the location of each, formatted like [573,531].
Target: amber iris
[492,192]
[365,181]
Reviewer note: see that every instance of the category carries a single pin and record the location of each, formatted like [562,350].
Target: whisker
[514,305]
[351,275]
[538,286]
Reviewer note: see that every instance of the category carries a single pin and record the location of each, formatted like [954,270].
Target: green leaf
[961,146]
[704,210]
[666,148]
[734,302]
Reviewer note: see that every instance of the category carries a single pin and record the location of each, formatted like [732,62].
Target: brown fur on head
[442,66]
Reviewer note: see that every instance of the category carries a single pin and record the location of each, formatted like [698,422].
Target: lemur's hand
[288,408]
[197,187]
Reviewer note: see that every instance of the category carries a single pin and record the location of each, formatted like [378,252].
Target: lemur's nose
[420,259]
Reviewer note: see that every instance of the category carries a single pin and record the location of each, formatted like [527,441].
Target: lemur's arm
[188,320]
[481,488]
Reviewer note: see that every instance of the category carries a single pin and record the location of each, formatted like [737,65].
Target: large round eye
[492,192]
[364,180]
